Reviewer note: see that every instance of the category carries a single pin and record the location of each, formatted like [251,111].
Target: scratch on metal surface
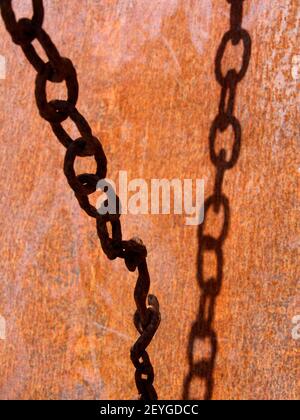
[296,67]
[2,67]
[172,54]
[113,331]
[2,328]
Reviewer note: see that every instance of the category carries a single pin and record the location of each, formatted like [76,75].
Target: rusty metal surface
[147,87]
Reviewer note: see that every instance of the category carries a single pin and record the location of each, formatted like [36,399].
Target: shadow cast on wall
[202,334]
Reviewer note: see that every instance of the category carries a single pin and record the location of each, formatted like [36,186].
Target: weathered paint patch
[199,14]
[128,26]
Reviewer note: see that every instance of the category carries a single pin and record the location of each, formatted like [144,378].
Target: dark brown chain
[202,330]
[59,69]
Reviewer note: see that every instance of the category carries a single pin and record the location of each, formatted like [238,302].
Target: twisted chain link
[60,69]
[202,330]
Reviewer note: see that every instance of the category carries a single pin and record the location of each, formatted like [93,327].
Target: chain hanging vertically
[202,330]
[59,69]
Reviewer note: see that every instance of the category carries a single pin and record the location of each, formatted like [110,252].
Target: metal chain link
[202,330]
[134,253]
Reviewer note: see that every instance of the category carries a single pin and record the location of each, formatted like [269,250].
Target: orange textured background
[147,87]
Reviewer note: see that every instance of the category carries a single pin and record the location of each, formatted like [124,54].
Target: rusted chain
[59,69]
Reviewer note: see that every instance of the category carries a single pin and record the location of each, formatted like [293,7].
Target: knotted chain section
[59,69]
[202,331]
